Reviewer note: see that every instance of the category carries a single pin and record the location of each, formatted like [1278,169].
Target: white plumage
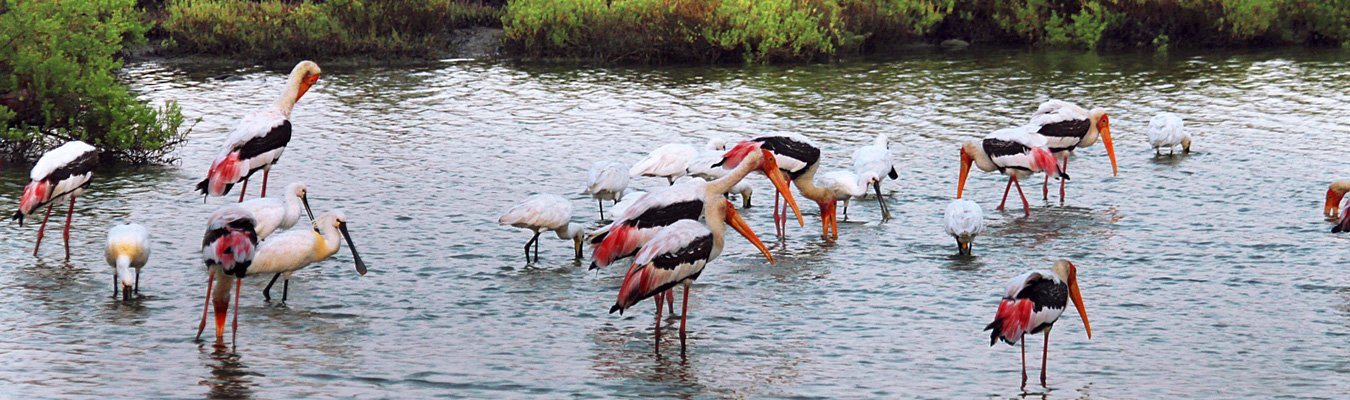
[669,161]
[622,207]
[606,181]
[59,157]
[844,185]
[871,163]
[544,212]
[128,249]
[292,250]
[1167,130]
[274,213]
[963,221]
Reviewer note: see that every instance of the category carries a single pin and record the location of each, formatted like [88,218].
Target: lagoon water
[1210,275]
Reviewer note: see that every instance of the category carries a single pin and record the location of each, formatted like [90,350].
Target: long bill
[305,84]
[1105,130]
[360,265]
[966,160]
[304,199]
[734,220]
[770,168]
[1333,203]
[1077,298]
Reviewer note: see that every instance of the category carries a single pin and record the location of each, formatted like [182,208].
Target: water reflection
[229,377]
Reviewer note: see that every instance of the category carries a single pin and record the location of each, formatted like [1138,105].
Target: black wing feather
[788,147]
[276,138]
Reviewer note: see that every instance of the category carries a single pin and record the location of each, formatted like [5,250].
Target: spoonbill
[1015,152]
[708,166]
[671,161]
[872,162]
[964,220]
[61,173]
[1167,130]
[677,254]
[628,201]
[128,248]
[227,248]
[259,139]
[294,249]
[844,185]
[1032,304]
[1067,126]
[274,213]
[607,181]
[1335,192]
[545,212]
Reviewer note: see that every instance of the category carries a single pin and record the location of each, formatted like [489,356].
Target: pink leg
[1062,181]
[266,171]
[684,310]
[69,213]
[658,320]
[1045,353]
[209,280]
[242,188]
[41,229]
[1045,189]
[1024,362]
[1005,193]
[1025,207]
[670,294]
[779,230]
[234,327]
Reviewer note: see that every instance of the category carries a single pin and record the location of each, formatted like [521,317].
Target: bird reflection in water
[230,378]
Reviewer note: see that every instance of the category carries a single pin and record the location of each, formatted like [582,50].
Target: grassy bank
[57,82]
[800,30]
[275,29]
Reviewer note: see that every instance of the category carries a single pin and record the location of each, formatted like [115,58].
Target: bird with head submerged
[128,249]
[545,212]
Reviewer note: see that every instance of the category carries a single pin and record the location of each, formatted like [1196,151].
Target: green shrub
[57,83]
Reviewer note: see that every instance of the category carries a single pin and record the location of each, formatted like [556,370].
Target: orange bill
[770,168]
[1104,127]
[734,220]
[1077,298]
[966,160]
[305,84]
[1333,203]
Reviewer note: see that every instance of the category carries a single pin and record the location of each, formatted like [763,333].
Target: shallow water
[1209,275]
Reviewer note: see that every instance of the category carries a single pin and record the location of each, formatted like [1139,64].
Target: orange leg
[69,213]
[41,229]
[209,281]
[242,188]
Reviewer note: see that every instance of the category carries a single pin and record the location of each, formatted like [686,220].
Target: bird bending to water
[289,251]
[259,139]
[607,181]
[273,214]
[1335,192]
[227,248]
[1015,152]
[1067,126]
[128,249]
[545,212]
[844,185]
[61,173]
[963,221]
[672,160]
[871,163]
[1167,130]
[1032,304]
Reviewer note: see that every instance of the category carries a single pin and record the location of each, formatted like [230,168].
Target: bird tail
[619,242]
[223,174]
[34,195]
[643,166]
[1011,321]
[1043,160]
[632,289]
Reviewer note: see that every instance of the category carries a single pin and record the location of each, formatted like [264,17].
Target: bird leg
[242,188]
[602,208]
[66,233]
[138,282]
[234,327]
[527,248]
[776,197]
[1045,189]
[114,284]
[266,171]
[536,247]
[846,209]
[1064,169]
[885,210]
[1005,193]
[1024,362]
[1025,207]
[209,280]
[1045,353]
[41,229]
[684,310]
[658,298]
[285,289]
[267,291]
[670,296]
[671,180]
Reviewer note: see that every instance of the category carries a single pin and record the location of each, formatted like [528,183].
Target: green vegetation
[276,29]
[57,83]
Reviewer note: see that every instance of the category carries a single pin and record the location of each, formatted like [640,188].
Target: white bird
[259,139]
[61,173]
[844,185]
[544,212]
[1167,130]
[289,251]
[1015,152]
[628,200]
[128,248]
[964,220]
[606,181]
[227,249]
[1067,126]
[671,161]
[708,166]
[872,162]
[274,213]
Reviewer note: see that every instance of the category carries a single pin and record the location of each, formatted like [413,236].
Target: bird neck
[327,241]
[716,217]
[726,182]
[290,93]
[806,184]
[976,152]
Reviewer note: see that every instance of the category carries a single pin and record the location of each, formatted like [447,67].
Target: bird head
[307,72]
[1067,271]
[1103,124]
[1335,193]
[764,161]
[336,220]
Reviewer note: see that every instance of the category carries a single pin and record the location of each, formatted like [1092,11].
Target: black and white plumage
[963,220]
[544,212]
[128,249]
[61,173]
[259,139]
[1032,304]
[1169,131]
[1067,126]
[606,181]
[227,249]
[1015,152]
[798,159]
[873,162]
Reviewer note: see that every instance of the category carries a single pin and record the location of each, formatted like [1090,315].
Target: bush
[275,29]
[56,82]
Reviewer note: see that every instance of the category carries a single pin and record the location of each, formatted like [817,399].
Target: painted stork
[708,166]
[844,185]
[259,139]
[227,248]
[628,201]
[1167,130]
[1335,193]
[677,254]
[964,221]
[1067,126]
[1015,152]
[294,249]
[672,160]
[606,181]
[61,173]
[798,158]
[1033,303]
[128,248]
[544,212]
[272,213]
[872,162]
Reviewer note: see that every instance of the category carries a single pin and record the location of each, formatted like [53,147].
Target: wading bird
[1015,152]
[227,249]
[671,161]
[1167,130]
[708,166]
[61,173]
[1335,193]
[797,158]
[964,220]
[677,254]
[128,248]
[844,185]
[607,181]
[628,201]
[872,162]
[1033,303]
[273,214]
[259,139]
[545,212]
[294,249]
[1067,126]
